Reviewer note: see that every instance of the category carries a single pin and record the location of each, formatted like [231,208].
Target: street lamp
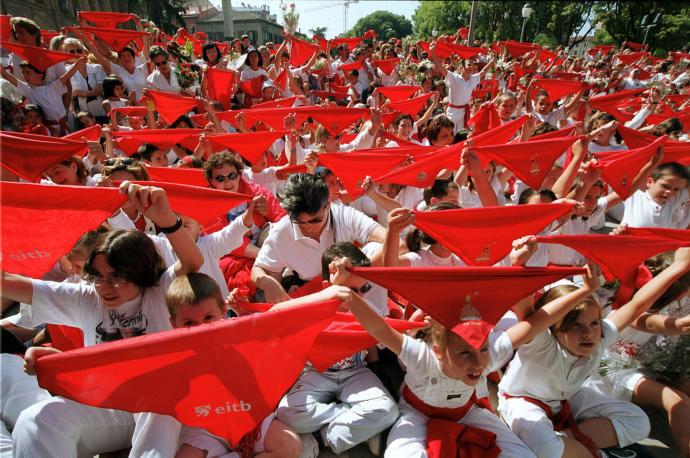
[526,11]
[648,26]
[434,32]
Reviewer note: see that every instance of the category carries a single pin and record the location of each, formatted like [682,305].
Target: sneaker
[620,453]
[310,447]
[374,444]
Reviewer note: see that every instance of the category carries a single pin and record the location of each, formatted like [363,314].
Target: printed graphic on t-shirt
[116,327]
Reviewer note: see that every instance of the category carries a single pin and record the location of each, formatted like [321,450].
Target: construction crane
[345,4]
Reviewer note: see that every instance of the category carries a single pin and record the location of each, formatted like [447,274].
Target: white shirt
[544,370]
[158,82]
[429,383]
[642,211]
[48,97]
[79,305]
[285,245]
[408,197]
[565,256]
[460,90]
[135,81]
[266,178]
[94,75]
[426,258]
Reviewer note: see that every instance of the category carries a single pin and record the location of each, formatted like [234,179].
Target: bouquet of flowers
[187,75]
[320,67]
[290,18]
[150,27]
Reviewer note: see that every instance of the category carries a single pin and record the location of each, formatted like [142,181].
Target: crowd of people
[387,154]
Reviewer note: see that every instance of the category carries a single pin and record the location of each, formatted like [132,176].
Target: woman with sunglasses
[125,296]
[132,72]
[161,78]
[223,171]
[87,90]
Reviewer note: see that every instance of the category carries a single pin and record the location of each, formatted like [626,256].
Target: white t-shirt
[79,305]
[642,211]
[94,75]
[544,370]
[158,82]
[266,178]
[285,245]
[48,97]
[426,258]
[135,81]
[408,197]
[429,383]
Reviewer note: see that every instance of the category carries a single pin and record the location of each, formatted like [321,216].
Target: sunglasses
[76,51]
[365,288]
[222,178]
[158,64]
[111,162]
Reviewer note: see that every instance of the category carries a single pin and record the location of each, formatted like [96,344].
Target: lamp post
[648,26]
[526,11]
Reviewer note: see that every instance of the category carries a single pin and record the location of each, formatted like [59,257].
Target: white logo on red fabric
[421,176]
[469,312]
[485,255]
[20,255]
[205,411]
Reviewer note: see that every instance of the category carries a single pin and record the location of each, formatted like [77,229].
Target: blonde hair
[190,289]
[570,318]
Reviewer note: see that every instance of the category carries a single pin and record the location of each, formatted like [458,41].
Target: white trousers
[532,425]
[408,436]
[351,405]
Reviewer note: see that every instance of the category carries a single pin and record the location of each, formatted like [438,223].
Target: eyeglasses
[365,288]
[115,281]
[311,221]
[222,178]
[117,161]
[158,64]
[76,51]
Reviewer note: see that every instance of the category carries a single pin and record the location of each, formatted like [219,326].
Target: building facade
[256,22]
[53,14]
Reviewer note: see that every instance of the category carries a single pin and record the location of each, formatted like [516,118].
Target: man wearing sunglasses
[297,241]
[161,78]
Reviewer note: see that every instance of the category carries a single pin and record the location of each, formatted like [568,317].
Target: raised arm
[486,193]
[665,325]
[398,220]
[437,62]
[16,287]
[81,63]
[105,63]
[614,199]
[567,178]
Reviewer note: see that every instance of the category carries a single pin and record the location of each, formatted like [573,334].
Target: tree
[167,14]
[319,31]
[386,25]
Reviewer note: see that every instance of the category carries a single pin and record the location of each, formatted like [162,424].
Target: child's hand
[32,354]
[591,278]
[620,230]
[419,316]
[523,249]
[368,186]
[311,161]
[290,121]
[236,296]
[151,201]
[683,324]
[338,271]
[338,292]
[258,204]
[683,257]
[658,156]
[399,219]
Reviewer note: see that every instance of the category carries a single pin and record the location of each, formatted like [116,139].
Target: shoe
[374,444]
[616,452]
[310,447]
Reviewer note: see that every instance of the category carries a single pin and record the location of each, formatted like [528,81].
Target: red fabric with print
[171,106]
[41,58]
[105,18]
[387,65]
[220,84]
[619,170]
[530,161]
[301,51]
[465,299]
[30,155]
[560,88]
[618,255]
[43,222]
[482,236]
[423,171]
[250,145]
[411,106]
[118,39]
[201,366]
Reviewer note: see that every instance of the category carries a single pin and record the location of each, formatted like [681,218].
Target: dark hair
[438,190]
[261,60]
[37,108]
[27,24]
[146,151]
[218,160]
[668,126]
[109,85]
[656,265]
[529,192]
[181,119]
[82,172]
[438,122]
[671,168]
[415,237]
[543,128]
[209,45]
[304,193]
[129,50]
[156,51]
[191,289]
[354,72]
[343,250]
[570,318]
[26,64]
[131,254]
[400,117]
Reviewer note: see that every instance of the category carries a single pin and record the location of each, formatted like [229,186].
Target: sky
[327,13]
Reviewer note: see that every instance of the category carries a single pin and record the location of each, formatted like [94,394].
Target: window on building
[63,5]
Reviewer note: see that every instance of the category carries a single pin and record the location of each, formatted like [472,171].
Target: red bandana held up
[351,42]
[567,75]
[118,39]
[251,145]
[186,176]
[5,28]
[278,103]
[682,235]
[633,45]
[280,80]
[485,118]
[201,204]
[162,138]
[398,140]
[220,85]
[335,120]
[560,88]
[171,106]
[351,66]
[628,59]
[129,111]
[530,161]
[467,300]
[619,170]
[275,117]
[635,139]
[47,35]
[565,132]
[92,133]
[43,153]
[605,49]
[104,18]
[608,103]
[683,117]
[200,366]
[484,236]
[411,106]
[618,255]
[398,93]
[423,171]
[301,51]
[43,222]
[517,49]
[40,58]
[323,94]
[387,65]
[252,87]
[678,56]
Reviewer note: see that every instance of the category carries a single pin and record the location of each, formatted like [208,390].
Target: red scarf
[5,27]
[387,66]
[335,120]
[517,49]
[171,106]
[466,300]
[220,84]
[609,102]
[162,138]
[411,106]
[560,88]
[281,81]
[484,236]
[633,45]
[130,111]
[41,58]
[92,133]
[253,87]
[398,140]
[628,59]
[274,117]
[301,51]
[105,18]
[678,56]
[118,39]
[279,103]
[351,66]
[486,118]
[336,95]
[186,176]
[225,377]
[567,75]
[43,222]
[423,171]
[251,145]
[45,153]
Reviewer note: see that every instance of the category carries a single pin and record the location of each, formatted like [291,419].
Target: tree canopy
[386,25]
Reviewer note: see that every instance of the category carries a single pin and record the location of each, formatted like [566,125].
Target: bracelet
[173,228]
